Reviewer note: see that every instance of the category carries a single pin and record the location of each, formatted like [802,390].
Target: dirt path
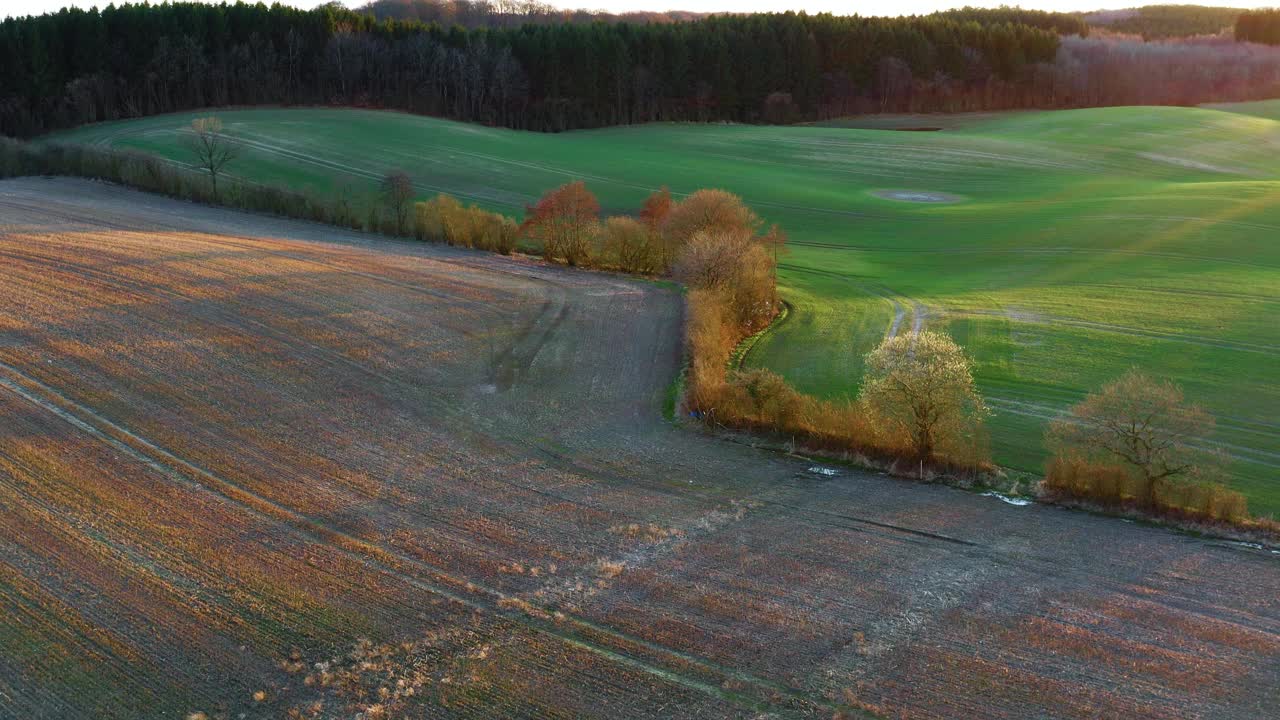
[231,447]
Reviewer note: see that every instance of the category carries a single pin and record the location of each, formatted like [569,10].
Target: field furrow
[241,455]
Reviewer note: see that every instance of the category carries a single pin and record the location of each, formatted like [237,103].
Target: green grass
[1085,241]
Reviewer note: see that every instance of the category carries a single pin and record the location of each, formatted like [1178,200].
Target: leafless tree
[294,46]
[212,147]
[397,194]
[1144,424]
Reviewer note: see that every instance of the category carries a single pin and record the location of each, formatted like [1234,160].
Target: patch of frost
[1005,498]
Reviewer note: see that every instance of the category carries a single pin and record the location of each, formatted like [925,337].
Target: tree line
[79,66]
[1159,22]
[508,13]
[512,13]
[1259,26]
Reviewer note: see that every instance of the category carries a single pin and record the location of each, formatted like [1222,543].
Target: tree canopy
[79,66]
[925,383]
[1141,423]
[1259,26]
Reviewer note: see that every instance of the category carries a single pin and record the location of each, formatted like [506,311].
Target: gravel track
[229,440]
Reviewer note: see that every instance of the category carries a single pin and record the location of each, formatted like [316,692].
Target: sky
[845,7]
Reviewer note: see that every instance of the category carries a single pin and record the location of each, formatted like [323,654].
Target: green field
[1079,243]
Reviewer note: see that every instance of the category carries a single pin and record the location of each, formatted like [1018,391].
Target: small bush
[428,221]
[631,246]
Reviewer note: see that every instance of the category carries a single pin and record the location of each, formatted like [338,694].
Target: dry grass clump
[609,569]
[1111,484]
[649,533]
[521,605]
[385,680]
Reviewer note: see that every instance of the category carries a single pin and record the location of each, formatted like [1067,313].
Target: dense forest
[510,13]
[82,66]
[1158,22]
[507,13]
[1259,26]
[75,66]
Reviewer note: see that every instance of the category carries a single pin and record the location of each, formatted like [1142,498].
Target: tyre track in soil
[513,359]
[1054,251]
[509,363]
[836,520]
[565,463]
[552,457]
[919,311]
[518,356]
[399,566]
[367,174]
[1270,350]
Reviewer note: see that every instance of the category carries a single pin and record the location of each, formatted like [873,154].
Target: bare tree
[212,148]
[1143,423]
[704,210]
[397,193]
[925,383]
[294,46]
[738,268]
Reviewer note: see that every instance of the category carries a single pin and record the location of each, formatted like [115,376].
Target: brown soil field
[259,468]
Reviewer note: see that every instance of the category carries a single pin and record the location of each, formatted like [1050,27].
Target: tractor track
[534,437]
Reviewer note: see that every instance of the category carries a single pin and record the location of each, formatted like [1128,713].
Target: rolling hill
[1064,247]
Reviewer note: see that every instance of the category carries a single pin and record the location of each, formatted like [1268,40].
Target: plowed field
[256,466]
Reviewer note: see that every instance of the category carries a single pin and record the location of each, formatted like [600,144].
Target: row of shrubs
[564,226]
[759,399]
[153,174]
[1107,483]
[720,250]
[710,241]
[730,269]
[444,219]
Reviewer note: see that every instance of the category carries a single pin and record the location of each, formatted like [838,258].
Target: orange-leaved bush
[566,222]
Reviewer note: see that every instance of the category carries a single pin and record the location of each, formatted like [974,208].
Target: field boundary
[739,356]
